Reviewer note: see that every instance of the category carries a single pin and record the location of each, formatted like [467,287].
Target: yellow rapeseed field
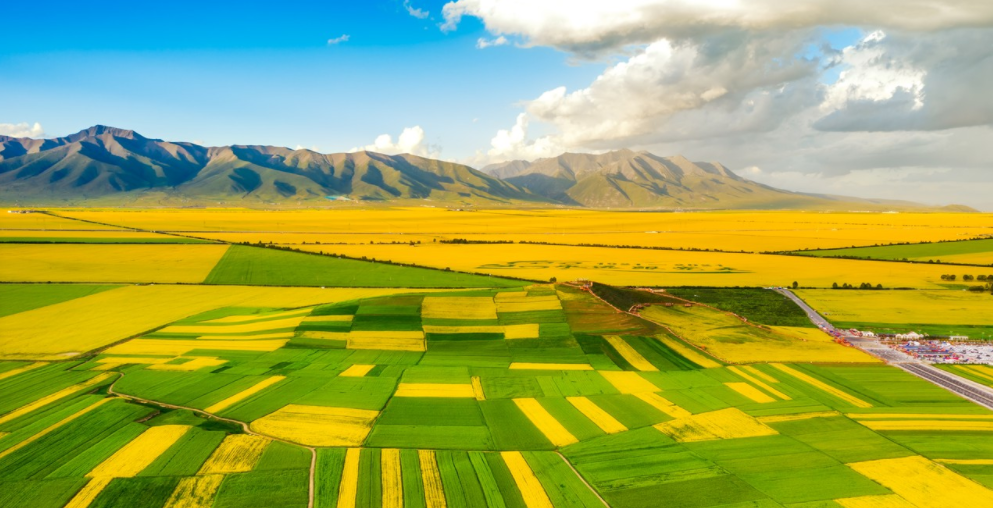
[477,388]
[116,235]
[597,415]
[531,489]
[628,382]
[27,221]
[630,354]
[251,318]
[434,492]
[135,456]
[318,425]
[925,483]
[349,485]
[434,390]
[522,331]
[732,230]
[688,353]
[824,387]
[258,326]
[527,304]
[238,453]
[545,422]
[69,328]
[384,340]
[357,370]
[759,383]
[108,262]
[195,492]
[194,363]
[113,362]
[750,392]
[797,416]
[456,307]
[900,307]
[730,339]
[244,394]
[392,480]
[727,423]
[182,346]
[89,492]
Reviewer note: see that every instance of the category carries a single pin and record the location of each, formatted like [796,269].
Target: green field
[977,252]
[16,298]
[758,305]
[271,267]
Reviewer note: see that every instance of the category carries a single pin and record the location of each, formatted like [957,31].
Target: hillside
[105,164]
[109,166]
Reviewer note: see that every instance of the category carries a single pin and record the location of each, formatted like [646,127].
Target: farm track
[243,425]
[964,388]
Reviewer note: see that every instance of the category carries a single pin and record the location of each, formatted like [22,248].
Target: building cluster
[934,351]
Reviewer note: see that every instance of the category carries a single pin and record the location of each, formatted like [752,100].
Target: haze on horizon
[878,99]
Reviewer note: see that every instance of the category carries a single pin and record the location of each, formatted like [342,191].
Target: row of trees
[864,285]
[968,277]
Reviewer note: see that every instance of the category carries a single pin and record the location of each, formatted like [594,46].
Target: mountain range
[107,165]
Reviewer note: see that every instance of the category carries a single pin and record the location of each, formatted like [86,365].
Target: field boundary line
[580,476]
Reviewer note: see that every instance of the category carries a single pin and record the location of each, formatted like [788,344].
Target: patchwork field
[269,379]
[978,252]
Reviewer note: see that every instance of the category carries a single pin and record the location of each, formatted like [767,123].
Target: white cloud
[483,43]
[513,143]
[338,40]
[413,11]
[411,141]
[22,130]
[590,26]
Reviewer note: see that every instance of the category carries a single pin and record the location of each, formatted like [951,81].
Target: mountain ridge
[108,165]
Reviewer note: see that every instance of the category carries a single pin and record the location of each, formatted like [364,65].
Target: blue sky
[246,72]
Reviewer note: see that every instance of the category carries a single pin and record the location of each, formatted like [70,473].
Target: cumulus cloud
[414,11]
[411,140]
[483,43]
[513,143]
[22,130]
[338,40]
[589,26]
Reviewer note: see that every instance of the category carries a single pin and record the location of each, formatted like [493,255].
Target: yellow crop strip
[925,483]
[265,317]
[601,418]
[824,387]
[758,373]
[89,492]
[195,492]
[976,370]
[195,363]
[885,501]
[182,346]
[747,377]
[48,430]
[630,354]
[244,394]
[21,370]
[349,486]
[688,352]
[392,481]
[727,423]
[162,263]
[967,462]
[531,489]
[258,336]
[234,328]
[328,319]
[527,304]
[549,366]
[238,453]
[387,344]
[918,416]
[113,362]
[454,307]
[434,491]
[522,331]
[628,382]
[477,388]
[945,425]
[750,392]
[545,422]
[59,395]
[435,390]
[662,404]
[797,416]
[357,370]
[318,425]
[140,452]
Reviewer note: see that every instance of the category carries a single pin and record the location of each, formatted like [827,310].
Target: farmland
[278,378]
[977,252]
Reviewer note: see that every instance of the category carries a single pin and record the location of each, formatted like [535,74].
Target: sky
[888,99]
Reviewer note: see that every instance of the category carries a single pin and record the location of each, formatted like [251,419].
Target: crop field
[978,252]
[938,312]
[278,378]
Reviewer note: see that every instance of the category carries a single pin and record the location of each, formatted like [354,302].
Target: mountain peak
[100,130]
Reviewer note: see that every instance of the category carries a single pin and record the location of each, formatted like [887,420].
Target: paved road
[964,388]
